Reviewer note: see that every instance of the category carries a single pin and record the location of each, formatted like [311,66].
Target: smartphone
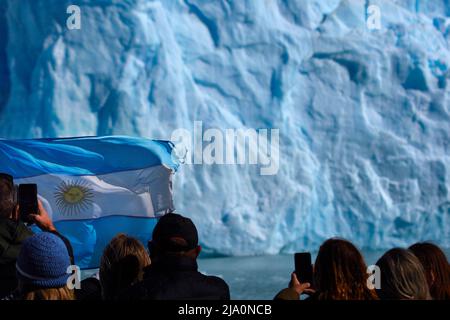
[303,267]
[27,200]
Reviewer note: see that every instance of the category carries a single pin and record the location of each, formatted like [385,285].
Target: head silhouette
[402,276]
[436,267]
[340,272]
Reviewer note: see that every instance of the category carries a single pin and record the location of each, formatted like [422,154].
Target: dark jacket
[177,278]
[12,235]
[90,290]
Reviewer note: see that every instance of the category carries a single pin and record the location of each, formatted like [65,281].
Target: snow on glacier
[364,115]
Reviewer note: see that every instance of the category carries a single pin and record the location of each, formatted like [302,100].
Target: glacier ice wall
[364,115]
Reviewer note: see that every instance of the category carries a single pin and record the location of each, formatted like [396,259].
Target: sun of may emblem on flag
[73,196]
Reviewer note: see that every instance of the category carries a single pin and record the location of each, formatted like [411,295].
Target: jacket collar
[174,263]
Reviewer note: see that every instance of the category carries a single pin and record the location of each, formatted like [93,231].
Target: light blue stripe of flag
[82,156]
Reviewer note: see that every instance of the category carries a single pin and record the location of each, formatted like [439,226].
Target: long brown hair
[402,276]
[122,265]
[437,269]
[340,272]
[63,293]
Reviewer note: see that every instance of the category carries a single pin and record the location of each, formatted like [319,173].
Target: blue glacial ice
[364,115]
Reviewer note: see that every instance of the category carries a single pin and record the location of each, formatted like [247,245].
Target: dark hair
[402,276]
[340,272]
[437,269]
[122,264]
[6,198]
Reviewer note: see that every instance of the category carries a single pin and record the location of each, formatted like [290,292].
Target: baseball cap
[175,233]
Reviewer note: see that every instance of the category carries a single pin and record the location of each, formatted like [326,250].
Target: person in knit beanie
[42,269]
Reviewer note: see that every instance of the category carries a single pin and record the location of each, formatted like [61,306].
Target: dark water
[259,277]
[263,276]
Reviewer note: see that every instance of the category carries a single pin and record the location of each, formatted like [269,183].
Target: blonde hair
[63,293]
[122,265]
[402,276]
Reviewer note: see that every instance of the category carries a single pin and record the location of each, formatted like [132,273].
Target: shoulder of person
[136,291]
[220,284]
[90,289]
[24,231]
[14,231]
[216,280]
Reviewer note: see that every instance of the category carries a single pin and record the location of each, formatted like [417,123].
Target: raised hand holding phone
[303,267]
[298,287]
[302,278]
[31,210]
[27,201]
[42,219]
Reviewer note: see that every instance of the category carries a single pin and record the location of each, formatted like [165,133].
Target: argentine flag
[96,187]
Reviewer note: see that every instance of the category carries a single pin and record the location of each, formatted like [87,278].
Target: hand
[42,219]
[298,287]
